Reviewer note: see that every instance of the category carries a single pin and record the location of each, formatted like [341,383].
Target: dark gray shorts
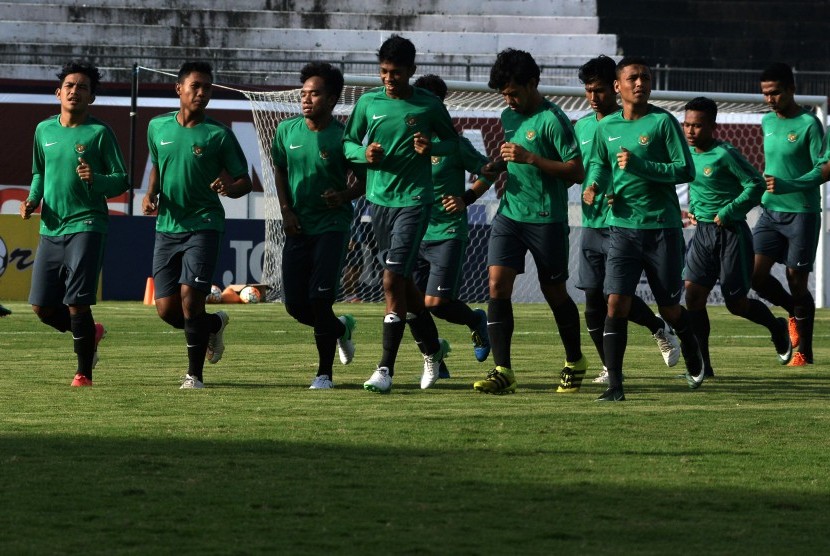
[398,232]
[790,238]
[312,266]
[446,266]
[659,253]
[593,251]
[185,259]
[548,244]
[66,269]
[720,253]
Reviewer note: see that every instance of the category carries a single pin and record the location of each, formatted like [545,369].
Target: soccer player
[788,229]
[398,122]
[317,214]
[725,188]
[598,76]
[195,160]
[445,242]
[76,166]
[542,160]
[643,149]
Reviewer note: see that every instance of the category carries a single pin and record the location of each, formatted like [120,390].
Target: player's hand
[149,204]
[491,170]
[452,203]
[332,198]
[609,198]
[26,209]
[511,152]
[623,157]
[221,186]
[84,171]
[718,221]
[770,183]
[692,219]
[423,144]
[374,153]
[290,223]
[589,195]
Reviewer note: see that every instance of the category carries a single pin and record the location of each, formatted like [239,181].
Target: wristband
[469,197]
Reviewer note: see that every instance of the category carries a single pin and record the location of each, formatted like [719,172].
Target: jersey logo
[292,147]
[767,134]
[644,140]
[587,141]
[324,154]
[411,121]
[436,160]
[80,149]
[198,151]
[614,138]
[50,144]
[707,171]
[378,116]
[530,134]
[792,137]
[163,143]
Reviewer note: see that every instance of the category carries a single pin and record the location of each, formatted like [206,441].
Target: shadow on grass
[100,496]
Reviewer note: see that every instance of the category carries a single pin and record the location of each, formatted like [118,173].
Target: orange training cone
[150,292]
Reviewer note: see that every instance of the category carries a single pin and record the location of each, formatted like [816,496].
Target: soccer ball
[249,294]
[215,295]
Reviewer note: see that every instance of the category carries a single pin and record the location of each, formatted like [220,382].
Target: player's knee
[300,312]
[738,307]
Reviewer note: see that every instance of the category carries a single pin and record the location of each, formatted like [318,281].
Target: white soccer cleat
[216,342]
[669,344]
[322,382]
[432,364]
[380,382]
[602,378]
[345,344]
[191,383]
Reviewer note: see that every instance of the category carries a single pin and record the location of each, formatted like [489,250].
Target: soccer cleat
[216,341]
[798,360]
[190,382]
[4,312]
[81,380]
[380,382]
[612,395]
[695,380]
[792,329]
[602,378]
[571,376]
[100,332]
[481,338]
[782,343]
[668,343]
[321,382]
[443,371]
[432,364]
[345,345]
[500,380]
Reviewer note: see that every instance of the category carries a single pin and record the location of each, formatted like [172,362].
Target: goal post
[475,110]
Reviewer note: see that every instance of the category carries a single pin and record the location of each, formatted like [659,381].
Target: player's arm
[113,180]
[812,179]
[679,169]
[474,163]
[28,206]
[290,222]
[356,127]
[598,167]
[752,183]
[237,182]
[335,198]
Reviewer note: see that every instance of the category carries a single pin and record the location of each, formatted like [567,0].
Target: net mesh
[476,114]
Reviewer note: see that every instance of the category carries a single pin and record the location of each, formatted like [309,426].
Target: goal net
[476,110]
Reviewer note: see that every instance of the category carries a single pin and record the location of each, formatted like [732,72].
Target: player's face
[698,128]
[634,84]
[194,91]
[314,100]
[601,96]
[521,98]
[778,97]
[396,79]
[75,93]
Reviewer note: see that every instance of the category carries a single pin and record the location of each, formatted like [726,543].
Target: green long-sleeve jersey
[726,185]
[644,193]
[595,215]
[188,160]
[792,148]
[69,204]
[403,178]
[314,162]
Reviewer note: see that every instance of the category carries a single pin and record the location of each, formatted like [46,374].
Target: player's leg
[770,245]
[592,254]
[696,296]
[48,286]
[802,232]
[167,270]
[297,264]
[703,267]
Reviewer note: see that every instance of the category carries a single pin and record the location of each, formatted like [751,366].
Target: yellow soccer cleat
[500,380]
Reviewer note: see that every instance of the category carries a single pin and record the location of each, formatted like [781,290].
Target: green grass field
[257,463]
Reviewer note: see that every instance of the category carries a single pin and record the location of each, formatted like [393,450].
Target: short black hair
[398,50]
[433,84]
[200,67]
[602,68]
[705,105]
[781,72]
[86,68]
[631,61]
[513,65]
[332,77]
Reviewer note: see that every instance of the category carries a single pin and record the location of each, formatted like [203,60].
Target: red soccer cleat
[81,380]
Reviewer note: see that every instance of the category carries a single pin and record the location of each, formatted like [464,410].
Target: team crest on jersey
[644,140]
[198,151]
[411,121]
[530,134]
[792,137]
[436,160]
[324,154]
[707,171]
[80,149]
